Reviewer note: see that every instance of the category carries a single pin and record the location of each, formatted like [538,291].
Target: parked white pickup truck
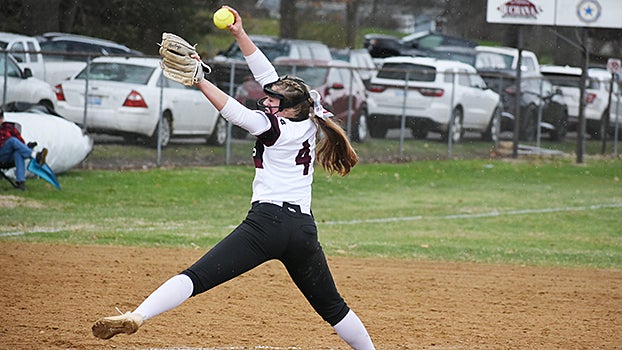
[35,53]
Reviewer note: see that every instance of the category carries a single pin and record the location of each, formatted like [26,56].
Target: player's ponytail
[334,151]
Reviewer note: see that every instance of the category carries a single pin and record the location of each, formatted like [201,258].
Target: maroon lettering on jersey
[304,157]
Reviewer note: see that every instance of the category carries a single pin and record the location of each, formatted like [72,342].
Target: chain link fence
[398,144]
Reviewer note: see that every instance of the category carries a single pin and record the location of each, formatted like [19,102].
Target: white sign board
[613,65]
[572,13]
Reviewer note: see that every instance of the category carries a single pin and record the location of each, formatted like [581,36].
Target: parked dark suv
[382,46]
[417,44]
[536,91]
[72,43]
[273,48]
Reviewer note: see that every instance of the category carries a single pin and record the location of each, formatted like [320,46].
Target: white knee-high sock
[353,332]
[168,296]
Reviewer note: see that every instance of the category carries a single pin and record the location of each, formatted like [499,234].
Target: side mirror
[27,73]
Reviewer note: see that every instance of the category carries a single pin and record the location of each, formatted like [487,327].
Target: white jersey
[284,169]
[284,152]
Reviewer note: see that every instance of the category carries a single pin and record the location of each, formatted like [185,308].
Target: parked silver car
[124,99]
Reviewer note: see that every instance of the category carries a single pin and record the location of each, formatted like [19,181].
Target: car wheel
[456,128]
[219,134]
[419,132]
[376,130]
[561,128]
[595,132]
[360,133]
[48,104]
[166,130]
[529,123]
[494,127]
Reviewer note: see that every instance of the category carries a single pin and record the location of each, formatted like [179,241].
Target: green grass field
[527,211]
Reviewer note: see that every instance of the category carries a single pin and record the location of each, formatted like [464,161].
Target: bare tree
[289,19]
[352,7]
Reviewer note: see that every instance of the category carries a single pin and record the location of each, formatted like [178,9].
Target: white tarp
[67,146]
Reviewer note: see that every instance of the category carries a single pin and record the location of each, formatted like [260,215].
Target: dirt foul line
[476,215]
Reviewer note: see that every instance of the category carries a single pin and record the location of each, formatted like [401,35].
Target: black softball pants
[274,232]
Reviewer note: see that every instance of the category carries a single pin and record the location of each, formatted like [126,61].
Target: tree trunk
[289,23]
[39,18]
[352,7]
[67,16]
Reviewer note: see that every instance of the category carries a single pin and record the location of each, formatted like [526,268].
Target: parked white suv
[568,80]
[529,60]
[430,100]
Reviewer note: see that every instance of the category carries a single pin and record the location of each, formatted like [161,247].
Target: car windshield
[456,56]
[507,61]
[429,42]
[564,80]
[111,71]
[490,60]
[573,81]
[313,76]
[416,72]
[12,69]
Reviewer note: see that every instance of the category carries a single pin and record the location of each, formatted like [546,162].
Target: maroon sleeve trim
[270,136]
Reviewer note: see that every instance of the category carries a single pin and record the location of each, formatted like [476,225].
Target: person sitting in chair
[13,149]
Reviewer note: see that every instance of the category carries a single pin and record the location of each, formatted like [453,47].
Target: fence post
[450,127]
[86,94]
[617,127]
[403,120]
[161,119]
[6,68]
[604,120]
[540,107]
[349,118]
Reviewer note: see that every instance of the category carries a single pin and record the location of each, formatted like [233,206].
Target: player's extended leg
[168,296]
[308,268]
[214,268]
[319,288]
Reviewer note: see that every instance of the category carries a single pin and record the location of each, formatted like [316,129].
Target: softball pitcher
[279,224]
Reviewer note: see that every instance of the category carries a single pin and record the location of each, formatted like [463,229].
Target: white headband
[318,109]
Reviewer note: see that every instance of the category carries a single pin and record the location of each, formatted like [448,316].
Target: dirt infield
[51,295]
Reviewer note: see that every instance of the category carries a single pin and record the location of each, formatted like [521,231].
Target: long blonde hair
[333,152]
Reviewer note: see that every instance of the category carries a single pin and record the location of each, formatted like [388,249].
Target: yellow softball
[223,17]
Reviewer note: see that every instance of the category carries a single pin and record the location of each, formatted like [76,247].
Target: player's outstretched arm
[237,30]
